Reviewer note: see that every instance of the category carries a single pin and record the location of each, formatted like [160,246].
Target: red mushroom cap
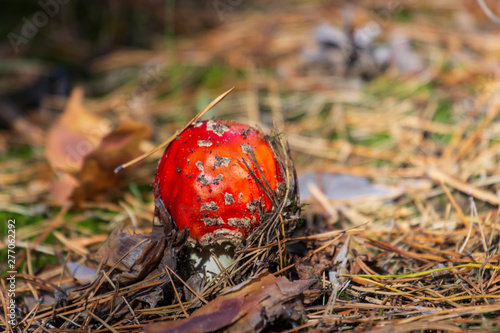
[206,186]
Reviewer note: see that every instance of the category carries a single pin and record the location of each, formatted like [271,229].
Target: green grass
[402,88]
[402,15]
[377,139]
[444,112]
[93,225]
[20,221]
[18,151]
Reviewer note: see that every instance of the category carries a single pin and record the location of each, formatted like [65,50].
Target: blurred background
[371,95]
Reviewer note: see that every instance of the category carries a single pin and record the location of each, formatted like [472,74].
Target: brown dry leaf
[247,307]
[144,252]
[304,271]
[84,152]
[121,145]
[63,187]
[75,135]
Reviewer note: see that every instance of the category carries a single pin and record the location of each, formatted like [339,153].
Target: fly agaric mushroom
[217,179]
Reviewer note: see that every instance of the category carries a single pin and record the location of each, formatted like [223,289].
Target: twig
[186,285]
[165,143]
[469,233]
[103,322]
[454,203]
[474,210]
[221,268]
[176,293]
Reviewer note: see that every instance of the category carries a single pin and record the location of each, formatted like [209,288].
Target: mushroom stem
[204,258]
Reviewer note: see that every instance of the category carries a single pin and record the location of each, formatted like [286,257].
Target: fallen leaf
[97,174]
[247,307]
[121,144]
[144,253]
[62,188]
[84,151]
[75,135]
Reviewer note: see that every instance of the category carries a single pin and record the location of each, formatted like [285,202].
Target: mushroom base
[205,261]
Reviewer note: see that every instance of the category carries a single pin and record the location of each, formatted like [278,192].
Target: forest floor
[390,112]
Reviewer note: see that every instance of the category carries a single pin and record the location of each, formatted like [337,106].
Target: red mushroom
[205,183]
